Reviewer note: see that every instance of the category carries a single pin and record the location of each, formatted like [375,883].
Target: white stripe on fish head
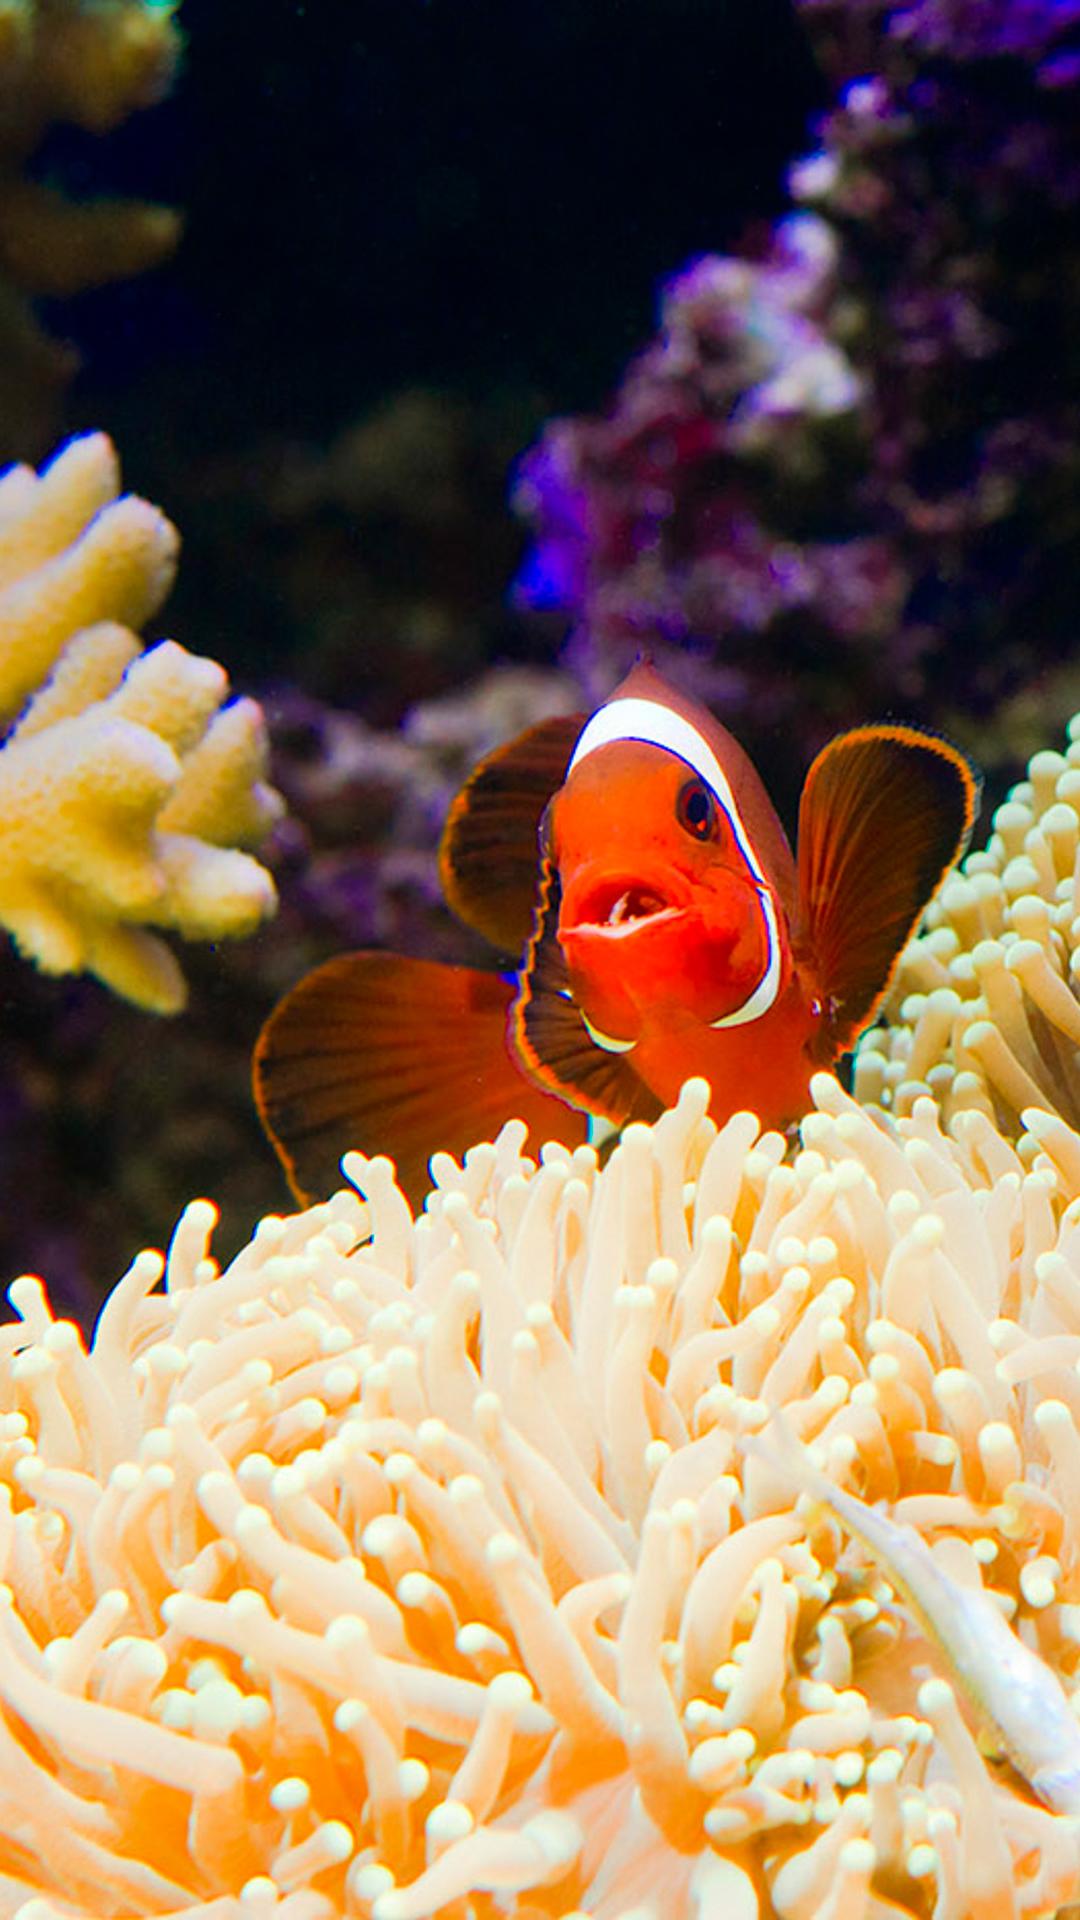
[658,726]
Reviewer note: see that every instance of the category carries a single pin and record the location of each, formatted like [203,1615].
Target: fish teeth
[621,910]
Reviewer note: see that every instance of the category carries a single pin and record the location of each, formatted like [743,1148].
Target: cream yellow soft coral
[985,1010]
[126,787]
[86,63]
[427,1568]
[89,64]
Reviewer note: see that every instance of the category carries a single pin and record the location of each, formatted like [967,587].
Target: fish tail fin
[393,1056]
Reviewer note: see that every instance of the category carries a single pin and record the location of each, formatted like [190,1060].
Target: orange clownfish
[635,862]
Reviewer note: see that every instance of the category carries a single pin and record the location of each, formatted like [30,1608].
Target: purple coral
[839,481]
[1040,33]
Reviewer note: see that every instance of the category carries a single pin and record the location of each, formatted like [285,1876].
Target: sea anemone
[432,1567]
[985,1010]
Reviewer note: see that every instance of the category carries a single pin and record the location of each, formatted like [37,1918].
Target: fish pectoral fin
[489,854]
[884,814]
[552,1035]
[393,1056]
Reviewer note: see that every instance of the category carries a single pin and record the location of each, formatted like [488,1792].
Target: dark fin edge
[393,1056]
[551,1036]
[886,811]
[489,853]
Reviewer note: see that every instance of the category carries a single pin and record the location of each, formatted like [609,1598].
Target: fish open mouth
[618,905]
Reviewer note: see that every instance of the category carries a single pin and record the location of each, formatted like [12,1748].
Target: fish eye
[696,810]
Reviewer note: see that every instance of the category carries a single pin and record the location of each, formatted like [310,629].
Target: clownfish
[634,861]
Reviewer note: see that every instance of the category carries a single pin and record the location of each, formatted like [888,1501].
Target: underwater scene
[540,960]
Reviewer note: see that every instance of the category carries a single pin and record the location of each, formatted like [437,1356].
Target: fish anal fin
[885,812]
[489,853]
[394,1056]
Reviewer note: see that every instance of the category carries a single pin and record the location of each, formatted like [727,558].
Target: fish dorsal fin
[550,1033]
[489,852]
[394,1056]
[885,812]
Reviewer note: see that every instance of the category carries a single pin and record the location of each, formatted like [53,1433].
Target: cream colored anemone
[418,1568]
[985,1011]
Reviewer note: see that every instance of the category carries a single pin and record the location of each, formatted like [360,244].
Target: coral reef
[128,1131]
[371,806]
[126,787]
[647,529]
[403,1563]
[985,1007]
[843,478]
[87,64]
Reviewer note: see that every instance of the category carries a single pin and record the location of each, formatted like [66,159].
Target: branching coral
[985,1010]
[125,784]
[89,64]
[128,1131]
[410,1568]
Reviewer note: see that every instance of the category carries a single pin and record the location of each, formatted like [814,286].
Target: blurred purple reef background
[440,468]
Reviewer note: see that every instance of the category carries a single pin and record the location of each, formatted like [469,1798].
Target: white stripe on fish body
[605,1040]
[657,726]
[765,992]
[1013,1692]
